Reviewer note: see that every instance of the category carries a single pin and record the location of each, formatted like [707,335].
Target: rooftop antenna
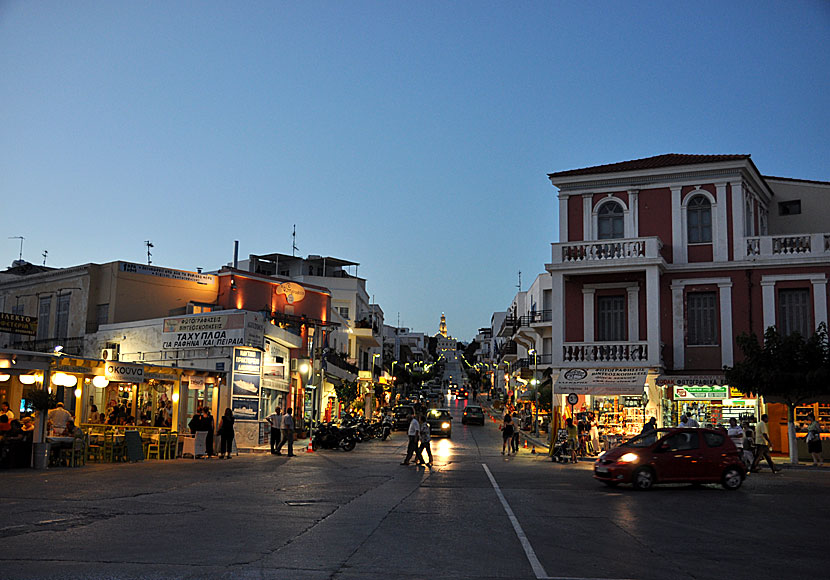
[21,238]
[519,285]
[149,245]
[44,254]
[294,247]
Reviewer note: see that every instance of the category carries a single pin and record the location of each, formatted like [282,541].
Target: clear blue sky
[412,137]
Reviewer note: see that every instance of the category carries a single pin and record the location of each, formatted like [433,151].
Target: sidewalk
[533,441]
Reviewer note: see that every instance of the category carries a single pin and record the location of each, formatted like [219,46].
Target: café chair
[172,445]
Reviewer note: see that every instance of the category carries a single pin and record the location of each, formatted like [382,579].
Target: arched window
[699,220]
[610,221]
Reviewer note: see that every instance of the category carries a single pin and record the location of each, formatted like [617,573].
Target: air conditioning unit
[109,354]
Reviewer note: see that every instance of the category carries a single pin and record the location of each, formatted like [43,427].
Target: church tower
[442,329]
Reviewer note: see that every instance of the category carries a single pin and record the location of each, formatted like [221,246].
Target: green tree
[788,369]
[347,392]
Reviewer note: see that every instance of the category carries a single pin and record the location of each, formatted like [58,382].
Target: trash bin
[41,455]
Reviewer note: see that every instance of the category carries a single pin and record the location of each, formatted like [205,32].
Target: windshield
[438,414]
[473,410]
[646,440]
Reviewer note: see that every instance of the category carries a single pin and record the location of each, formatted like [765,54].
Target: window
[713,439]
[794,311]
[610,318]
[702,318]
[102,312]
[792,207]
[699,220]
[681,441]
[610,221]
[44,309]
[344,311]
[62,318]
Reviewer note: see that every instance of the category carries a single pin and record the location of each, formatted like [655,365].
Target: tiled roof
[667,160]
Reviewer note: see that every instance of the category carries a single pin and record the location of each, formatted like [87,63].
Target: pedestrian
[195,423]
[573,438]
[275,420]
[414,433]
[650,426]
[691,421]
[208,425]
[814,441]
[287,431]
[507,429]
[514,440]
[684,421]
[594,433]
[736,433]
[425,437]
[226,433]
[763,445]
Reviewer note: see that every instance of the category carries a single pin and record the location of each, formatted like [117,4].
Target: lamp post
[535,430]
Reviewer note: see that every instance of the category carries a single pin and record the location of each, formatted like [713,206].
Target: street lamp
[535,430]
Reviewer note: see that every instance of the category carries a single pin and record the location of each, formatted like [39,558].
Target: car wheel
[732,478]
[643,479]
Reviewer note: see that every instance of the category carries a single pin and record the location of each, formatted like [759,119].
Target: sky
[412,137]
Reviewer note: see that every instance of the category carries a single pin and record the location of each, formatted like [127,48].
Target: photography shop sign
[602,381]
[208,330]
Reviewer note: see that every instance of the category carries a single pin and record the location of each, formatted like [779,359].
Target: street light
[535,430]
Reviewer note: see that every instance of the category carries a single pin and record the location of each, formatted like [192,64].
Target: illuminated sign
[293,292]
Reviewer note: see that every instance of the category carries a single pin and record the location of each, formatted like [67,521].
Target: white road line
[531,555]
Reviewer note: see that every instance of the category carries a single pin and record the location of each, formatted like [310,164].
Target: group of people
[203,420]
[419,441]
[282,431]
[15,438]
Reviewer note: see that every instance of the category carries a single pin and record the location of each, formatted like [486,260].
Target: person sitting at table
[5,426]
[129,421]
[27,425]
[72,430]
[94,415]
[58,418]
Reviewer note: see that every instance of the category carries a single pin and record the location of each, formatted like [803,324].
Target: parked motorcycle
[328,436]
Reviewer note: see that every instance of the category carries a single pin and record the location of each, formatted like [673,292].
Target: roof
[795,180]
[667,160]
[331,261]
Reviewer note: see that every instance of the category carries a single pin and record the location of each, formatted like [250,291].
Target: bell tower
[442,329]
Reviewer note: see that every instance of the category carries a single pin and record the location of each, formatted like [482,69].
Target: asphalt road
[360,515]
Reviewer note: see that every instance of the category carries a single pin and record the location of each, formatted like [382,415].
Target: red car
[673,456]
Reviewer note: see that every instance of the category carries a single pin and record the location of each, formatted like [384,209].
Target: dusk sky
[411,137]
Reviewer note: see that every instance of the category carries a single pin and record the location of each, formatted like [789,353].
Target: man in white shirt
[275,419]
[58,418]
[763,445]
[287,432]
[736,434]
[414,433]
[5,410]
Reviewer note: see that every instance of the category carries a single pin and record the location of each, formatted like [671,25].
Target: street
[358,515]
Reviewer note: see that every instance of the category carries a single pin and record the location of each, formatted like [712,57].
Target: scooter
[328,436]
[386,427]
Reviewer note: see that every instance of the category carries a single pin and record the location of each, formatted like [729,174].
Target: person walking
[507,429]
[226,434]
[691,421]
[594,433]
[573,438]
[275,419]
[287,431]
[650,426]
[414,433]
[208,425]
[514,440]
[763,445]
[814,441]
[425,437]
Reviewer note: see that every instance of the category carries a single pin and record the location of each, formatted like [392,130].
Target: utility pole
[294,247]
[149,245]
[21,238]
[519,285]
[44,254]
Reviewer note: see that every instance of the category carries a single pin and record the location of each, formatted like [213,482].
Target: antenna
[519,285]
[149,245]
[294,247]
[21,238]
[45,254]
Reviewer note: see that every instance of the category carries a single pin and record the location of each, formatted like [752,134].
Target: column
[563,218]
[678,327]
[720,239]
[820,300]
[678,247]
[768,298]
[738,249]
[633,313]
[587,217]
[588,314]
[557,307]
[726,338]
[632,229]
[653,315]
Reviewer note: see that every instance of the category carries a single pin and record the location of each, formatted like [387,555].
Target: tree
[347,392]
[789,369]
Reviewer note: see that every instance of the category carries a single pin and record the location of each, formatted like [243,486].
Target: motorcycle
[328,436]
[386,427]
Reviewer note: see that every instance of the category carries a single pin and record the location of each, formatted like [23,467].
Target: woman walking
[814,441]
[425,441]
[507,429]
[226,434]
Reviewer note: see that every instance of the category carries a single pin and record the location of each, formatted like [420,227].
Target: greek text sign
[701,392]
[602,381]
[124,373]
[18,324]
[209,330]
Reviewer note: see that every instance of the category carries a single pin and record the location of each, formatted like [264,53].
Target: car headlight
[629,458]
[445,425]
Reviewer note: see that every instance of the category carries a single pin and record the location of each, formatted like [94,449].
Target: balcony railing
[616,352]
[541,360]
[787,247]
[605,250]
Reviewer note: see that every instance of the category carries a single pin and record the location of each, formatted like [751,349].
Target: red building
[661,263]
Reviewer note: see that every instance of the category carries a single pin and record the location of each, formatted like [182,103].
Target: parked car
[673,456]
[472,414]
[401,414]
[440,422]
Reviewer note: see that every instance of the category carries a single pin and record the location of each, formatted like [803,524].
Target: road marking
[538,569]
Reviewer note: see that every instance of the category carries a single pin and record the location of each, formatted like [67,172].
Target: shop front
[706,398]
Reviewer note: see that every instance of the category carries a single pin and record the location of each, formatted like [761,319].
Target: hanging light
[4,378]
[78,392]
[70,381]
[175,397]
[100,381]
[28,379]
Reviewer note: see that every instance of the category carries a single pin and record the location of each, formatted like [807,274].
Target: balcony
[606,353]
[787,247]
[625,251]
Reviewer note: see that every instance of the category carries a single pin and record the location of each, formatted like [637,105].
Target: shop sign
[18,324]
[124,373]
[212,330]
[247,360]
[626,381]
[169,273]
[683,380]
[245,409]
[701,392]
[292,291]
[196,383]
[73,369]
